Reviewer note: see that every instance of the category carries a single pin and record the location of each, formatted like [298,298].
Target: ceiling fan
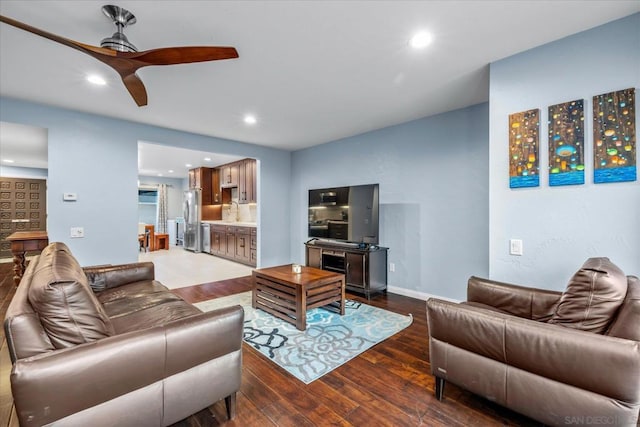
[118,53]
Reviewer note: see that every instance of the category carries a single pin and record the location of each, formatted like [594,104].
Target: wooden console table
[288,295]
[21,242]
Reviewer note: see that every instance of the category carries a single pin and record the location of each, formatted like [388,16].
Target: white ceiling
[310,71]
[171,162]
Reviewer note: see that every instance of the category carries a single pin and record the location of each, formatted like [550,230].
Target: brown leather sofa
[508,344]
[109,345]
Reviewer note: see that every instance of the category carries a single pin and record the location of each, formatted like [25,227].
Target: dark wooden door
[356,269]
[23,207]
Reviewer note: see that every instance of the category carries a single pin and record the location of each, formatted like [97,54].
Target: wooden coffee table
[288,295]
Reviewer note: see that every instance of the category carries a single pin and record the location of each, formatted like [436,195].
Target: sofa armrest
[605,365]
[102,277]
[521,301]
[53,385]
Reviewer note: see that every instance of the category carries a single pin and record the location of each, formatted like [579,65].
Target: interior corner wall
[20,172]
[562,226]
[97,158]
[433,176]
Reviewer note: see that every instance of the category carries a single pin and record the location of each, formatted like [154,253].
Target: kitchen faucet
[237,210]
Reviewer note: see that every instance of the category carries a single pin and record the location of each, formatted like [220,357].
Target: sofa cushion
[593,296]
[627,322]
[67,307]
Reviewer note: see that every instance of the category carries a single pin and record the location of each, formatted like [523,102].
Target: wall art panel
[566,143]
[524,130]
[614,137]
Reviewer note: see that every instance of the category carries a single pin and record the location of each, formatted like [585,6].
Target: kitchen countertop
[231,223]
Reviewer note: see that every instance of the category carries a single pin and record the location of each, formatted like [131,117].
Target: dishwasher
[205,237]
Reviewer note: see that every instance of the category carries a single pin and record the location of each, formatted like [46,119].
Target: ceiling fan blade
[182,55]
[88,49]
[135,87]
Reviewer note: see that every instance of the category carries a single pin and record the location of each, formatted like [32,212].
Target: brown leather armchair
[110,345]
[499,344]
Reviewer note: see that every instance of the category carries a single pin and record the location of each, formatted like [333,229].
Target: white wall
[562,226]
[96,157]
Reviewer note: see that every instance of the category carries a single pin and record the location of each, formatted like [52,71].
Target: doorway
[23,207]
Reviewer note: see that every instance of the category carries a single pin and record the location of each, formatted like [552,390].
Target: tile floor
[177,267]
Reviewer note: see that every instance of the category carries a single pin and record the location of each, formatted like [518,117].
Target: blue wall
[446,208]
[434,208]
[96,157]
[562,226]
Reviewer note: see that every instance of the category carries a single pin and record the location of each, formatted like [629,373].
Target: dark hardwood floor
[388,385]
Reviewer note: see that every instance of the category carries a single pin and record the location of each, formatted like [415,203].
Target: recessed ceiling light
[8,161]
[159,174]
[421,40]
[207,159]
[188,165]
[170,170]
[96,80]
[250,119]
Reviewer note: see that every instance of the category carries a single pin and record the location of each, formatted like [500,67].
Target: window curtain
[163,209]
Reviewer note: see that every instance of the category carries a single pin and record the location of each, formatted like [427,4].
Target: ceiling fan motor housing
[121,17]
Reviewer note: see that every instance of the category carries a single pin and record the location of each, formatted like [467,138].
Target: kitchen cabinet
[231,243]
[365,269]
[253,248]
[236,243]
[216,193]
[200,178]
[230,174]
[243,245]
[218,240]
[247,181]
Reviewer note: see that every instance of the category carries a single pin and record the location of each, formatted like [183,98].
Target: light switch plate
[77,232]
[515,247]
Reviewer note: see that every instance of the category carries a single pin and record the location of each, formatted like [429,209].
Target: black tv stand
[365,268]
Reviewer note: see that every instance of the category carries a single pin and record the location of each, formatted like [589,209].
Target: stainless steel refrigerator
[192,215]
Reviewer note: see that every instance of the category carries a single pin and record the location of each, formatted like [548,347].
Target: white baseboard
[417,294]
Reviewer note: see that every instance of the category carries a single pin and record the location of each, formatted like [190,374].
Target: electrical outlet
[392,267]
[77,232]
[515,247]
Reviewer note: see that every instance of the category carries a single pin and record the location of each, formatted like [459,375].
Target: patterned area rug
[329,341]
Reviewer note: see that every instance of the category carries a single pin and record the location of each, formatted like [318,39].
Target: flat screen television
[347,214]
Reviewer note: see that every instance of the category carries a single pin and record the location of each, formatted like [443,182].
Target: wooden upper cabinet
[247,181]
[200,178]
[216,193]
[230,172]
[192,179]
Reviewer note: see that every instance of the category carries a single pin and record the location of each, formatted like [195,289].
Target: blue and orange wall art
[614,137]
[524,165]
[566,143]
